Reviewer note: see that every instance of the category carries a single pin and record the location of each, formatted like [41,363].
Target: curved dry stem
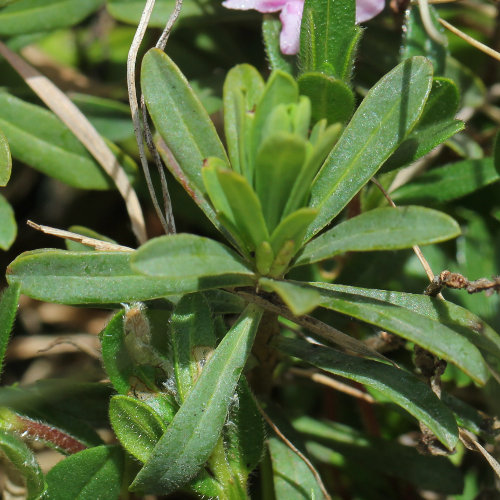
[76,121]
[162,41]
[428,24]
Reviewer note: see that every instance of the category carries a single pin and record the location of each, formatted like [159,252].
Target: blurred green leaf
[5,160]
[24,460]
[385,228]
[8,308]
[8,226]
[92,473]
[136,425]
[399,386]
[472,89]
[271,29]
[196,428]
[330,98]
[32,16]
[388,112]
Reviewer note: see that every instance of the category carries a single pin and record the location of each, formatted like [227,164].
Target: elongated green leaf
[8,308]
[23,459]
[186,128]
[442,104]
[93,473]
[8,226]
[431,335]
[279,162]
[5,160]
[448,183]
[136,425]
[331,98]
[329,37]
[100,277]
[300,300]
[380,124]
[399,386]
[472,89]
[193,340]
[243,88]
[182,256]
[33,16]
[384,456]
[196,428]
[53,150]
[236,202]
[271,29]
[385,228]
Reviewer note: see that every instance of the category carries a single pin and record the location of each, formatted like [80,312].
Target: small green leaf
[385,228]
[300,300]
[24,460]
[193,340]
[431,335]
[196,428]
[400,387]
[93,473]
[187,256]
[5,160]
[279,162]
[103,278]
[33,16]
[443,184]
[136,425]
[388,112]
[331,98]
[8,226]
[8,308]
[236,201]
[271,29]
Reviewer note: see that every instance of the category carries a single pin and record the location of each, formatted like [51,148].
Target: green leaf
[243,88]
[279,162]
[8,308]
[196,428]
[472,89]
[53,150]
[92,473]
[75,246]
[331,98]
[101,278]
[33,16]
[399,386]
[8,226]
[136,425]
[388,112]
[447,183]
[193,340]
[237,205]
[417,42]
[186,128]
[385,228]
[329,37]
[300,300]
[431,335]
[24,460]
[271,29]
[5,160]
[187,256]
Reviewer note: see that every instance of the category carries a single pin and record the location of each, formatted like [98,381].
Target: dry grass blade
[470,442]
[105,246]
[76,121]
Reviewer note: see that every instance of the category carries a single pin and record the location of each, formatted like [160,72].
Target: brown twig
[460,282]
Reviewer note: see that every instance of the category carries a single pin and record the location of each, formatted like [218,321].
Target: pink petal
[366,9]
[260,5]
[290,17]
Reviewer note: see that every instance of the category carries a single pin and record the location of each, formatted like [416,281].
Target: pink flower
[291,15]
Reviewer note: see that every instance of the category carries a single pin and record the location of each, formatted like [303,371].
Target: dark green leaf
[447,183]
[8,226]
[385,228]
[388,112]
[472,90]
[93,473]
[196,428]
[101,277]
[24,460]
[331,98]
[400,387]
[5,160]
[33,16]
[136,425]
[271,29]
[8,309]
